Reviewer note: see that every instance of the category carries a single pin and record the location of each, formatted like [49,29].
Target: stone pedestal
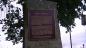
[50,43]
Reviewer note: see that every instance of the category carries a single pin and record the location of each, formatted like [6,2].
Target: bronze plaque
[42,24]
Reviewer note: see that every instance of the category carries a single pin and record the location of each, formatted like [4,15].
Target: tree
[13,23]
[66,12]
[66,16]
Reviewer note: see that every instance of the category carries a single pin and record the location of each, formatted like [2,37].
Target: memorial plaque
[42,24]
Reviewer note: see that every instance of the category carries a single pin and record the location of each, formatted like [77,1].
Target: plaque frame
[39,13]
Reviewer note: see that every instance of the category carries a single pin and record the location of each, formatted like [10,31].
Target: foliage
[13,23]
[66,12]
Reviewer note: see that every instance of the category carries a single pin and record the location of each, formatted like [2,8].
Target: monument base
[51,43]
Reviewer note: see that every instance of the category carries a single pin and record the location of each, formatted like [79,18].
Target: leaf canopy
[66,12]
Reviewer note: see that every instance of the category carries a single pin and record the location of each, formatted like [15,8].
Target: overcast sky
[78,35]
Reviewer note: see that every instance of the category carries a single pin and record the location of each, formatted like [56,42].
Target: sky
[78,35]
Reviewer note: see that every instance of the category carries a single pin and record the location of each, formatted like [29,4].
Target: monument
[43,28]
